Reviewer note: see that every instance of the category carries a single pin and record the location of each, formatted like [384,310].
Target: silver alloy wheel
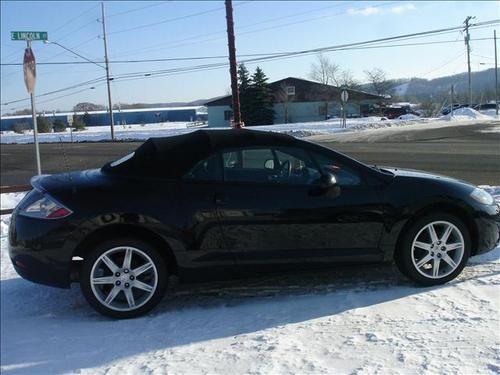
[437,249]
[124,278]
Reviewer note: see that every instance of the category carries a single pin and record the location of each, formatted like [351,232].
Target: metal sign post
[452,94]
[29,67]
[344,95]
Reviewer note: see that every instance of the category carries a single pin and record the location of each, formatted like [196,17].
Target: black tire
[151,299]
[403,255]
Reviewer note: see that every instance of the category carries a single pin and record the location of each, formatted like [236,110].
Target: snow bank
[465,113]
[102,133]
[409,116]
[10,200]
[489,112]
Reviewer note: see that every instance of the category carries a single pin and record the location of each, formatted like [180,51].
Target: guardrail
[13,189]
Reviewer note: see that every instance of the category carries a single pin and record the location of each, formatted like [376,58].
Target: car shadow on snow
[46,330]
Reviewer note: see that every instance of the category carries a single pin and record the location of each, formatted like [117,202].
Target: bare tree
[346,79]
[378,79]
[324,71]
[87,107]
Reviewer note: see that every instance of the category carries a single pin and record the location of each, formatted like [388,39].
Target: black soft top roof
[174,156]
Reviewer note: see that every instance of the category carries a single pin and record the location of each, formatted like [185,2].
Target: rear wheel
[123,278]
[434,250]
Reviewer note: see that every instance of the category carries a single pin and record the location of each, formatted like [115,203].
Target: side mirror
[326,185]
[327,180]
[269,164]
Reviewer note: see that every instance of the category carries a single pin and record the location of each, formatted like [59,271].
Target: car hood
[431,177]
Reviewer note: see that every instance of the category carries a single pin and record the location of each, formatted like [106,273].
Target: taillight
[46,208]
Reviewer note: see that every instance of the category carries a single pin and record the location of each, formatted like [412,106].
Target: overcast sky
[171,29]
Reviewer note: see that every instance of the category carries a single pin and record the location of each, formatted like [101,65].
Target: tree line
[46,124]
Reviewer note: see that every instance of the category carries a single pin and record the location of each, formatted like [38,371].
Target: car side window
[256,158]
[269,165]
[345,175]
[296,166]
[208,169]
[248,165]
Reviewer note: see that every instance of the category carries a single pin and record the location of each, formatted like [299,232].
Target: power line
[73,19]
[445,64]
[206,67]
[95,80]
[197,37]
[169,59]
[166,21]
[70,94]
[137,9]
[276,56]
[279,56]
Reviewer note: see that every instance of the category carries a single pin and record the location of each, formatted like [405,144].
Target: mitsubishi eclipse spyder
[226,203]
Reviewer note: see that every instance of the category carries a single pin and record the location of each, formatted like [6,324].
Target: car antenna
[66,165]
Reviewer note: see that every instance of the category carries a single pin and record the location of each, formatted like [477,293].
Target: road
[471,153]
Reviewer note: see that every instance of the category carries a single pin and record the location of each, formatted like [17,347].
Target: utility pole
[467,42]
[452,92]
[232,66]
[107,73]
[496,72]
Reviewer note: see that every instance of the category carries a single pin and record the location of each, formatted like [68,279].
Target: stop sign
[29,66]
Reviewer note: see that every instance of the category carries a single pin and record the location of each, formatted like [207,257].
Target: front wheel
[123,278]
[434,250]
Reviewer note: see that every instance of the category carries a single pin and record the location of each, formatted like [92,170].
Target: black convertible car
[226,203]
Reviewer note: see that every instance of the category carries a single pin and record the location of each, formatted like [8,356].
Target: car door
[250,205]
[343,224]
[268,213]
[201,232]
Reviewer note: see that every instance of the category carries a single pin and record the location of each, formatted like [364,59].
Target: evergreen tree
[244,80]
[78,123]
[43,125]
[262,99]
[244,84]
[87,119]
[59,126]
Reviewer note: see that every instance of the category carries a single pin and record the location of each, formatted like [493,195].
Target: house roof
[305,91]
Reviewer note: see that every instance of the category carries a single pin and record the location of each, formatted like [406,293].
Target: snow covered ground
[351,320]
[100,133]
[141,132]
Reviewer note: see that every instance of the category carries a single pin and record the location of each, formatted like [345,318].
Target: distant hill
[483,87]
[198,102]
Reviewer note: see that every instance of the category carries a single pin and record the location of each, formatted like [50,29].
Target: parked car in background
[446,110]
[233,203]
[485,106]
[394,112]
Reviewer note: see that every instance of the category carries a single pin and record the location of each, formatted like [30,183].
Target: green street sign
[29,35]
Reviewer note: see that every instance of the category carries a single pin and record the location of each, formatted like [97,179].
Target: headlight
[46,208]
[481,196]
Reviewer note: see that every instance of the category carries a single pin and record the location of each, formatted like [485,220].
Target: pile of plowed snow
[465,113]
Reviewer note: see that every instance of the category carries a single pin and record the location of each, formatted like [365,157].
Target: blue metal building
[121,117]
